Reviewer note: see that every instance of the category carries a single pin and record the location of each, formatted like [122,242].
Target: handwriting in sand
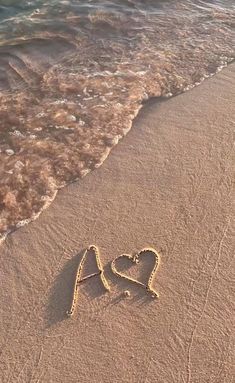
[134,258]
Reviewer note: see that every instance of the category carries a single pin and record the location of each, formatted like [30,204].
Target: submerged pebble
[71,118]
[9,152]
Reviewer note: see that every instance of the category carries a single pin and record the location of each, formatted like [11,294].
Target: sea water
[74,74]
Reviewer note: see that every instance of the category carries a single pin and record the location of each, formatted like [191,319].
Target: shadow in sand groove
[61,293]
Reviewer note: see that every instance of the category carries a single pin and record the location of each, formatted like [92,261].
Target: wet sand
[167,185]
[73,76]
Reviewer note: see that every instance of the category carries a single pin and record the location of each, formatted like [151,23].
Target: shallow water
[74,74]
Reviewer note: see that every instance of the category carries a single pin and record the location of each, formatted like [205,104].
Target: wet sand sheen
[168,185]
[74,75]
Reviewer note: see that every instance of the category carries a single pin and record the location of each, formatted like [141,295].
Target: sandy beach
[166,185]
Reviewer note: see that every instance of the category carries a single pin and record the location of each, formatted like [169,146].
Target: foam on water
[74,74]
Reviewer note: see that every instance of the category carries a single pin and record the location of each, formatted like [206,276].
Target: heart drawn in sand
[135,259]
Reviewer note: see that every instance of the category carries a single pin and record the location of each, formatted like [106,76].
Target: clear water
[74,74]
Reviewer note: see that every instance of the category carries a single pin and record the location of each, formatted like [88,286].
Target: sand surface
[167,185]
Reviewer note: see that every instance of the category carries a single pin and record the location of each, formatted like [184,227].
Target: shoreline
[167,185]
[150,100]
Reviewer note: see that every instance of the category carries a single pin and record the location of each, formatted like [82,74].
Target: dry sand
[168,185]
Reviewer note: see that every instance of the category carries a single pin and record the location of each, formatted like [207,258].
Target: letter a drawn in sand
[78,278]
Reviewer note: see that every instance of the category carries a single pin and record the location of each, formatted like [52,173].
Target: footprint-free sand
[168,185]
